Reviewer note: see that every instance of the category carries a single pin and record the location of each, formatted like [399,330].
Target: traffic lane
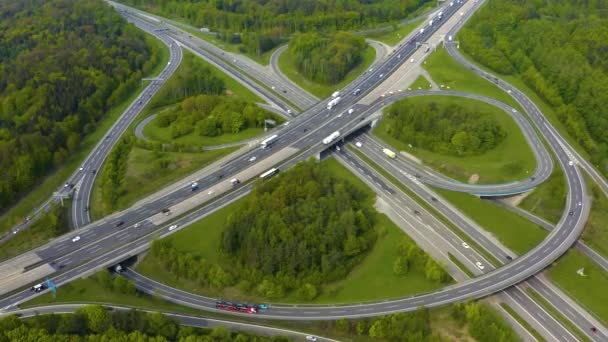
[559,304]
[543,319]
[566,309]
[553,326]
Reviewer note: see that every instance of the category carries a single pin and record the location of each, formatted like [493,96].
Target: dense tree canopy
[94,323]
[326,59]
[296,232]
[212,115]
[192,77]
[62,65]
[444,128]
[261,25]
[558,48]
[304,224]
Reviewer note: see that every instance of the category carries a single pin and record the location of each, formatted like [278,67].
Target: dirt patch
[474,179]
[516,199]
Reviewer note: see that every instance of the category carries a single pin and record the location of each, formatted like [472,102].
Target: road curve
[182,319]
[549,250]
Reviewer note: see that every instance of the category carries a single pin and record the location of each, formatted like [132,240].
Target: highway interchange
[304,132]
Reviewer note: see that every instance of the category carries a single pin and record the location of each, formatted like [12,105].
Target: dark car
[120,223]
[571,213]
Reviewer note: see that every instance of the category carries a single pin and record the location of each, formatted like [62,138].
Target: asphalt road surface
[556,243]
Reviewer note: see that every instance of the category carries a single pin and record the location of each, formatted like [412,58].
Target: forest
[296,232]
[326,59]
[259,26]
[63,64]
[444,128]
[191,78]
[95,323]
[558,48]
[212,115]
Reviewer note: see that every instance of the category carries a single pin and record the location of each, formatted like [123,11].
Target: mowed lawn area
[512,230]
[148,171]
[589,290]
[323,90]
[421,83]
[511,160]
[372,279]
[446,71]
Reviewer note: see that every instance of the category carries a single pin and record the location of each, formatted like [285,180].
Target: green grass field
[511,160]
[372,279]
[446,71]
[394,36]
[512,230]
[590,290]
[595,234]
[323,90]
[421,83]
[52,182]
[148,171]
[548,200]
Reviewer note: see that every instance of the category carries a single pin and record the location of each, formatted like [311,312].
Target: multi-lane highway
[306,133]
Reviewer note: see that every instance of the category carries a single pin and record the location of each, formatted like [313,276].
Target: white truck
[389,153]
[331,137]
[333,102]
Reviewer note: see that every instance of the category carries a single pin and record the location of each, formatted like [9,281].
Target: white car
[286,124]
[479,265]
[350,111]
[465,245]
[82,168]
[358,144]
[571,163]
[391,92]
[311,338]
[137,225]
[337,148]
[340,115]
[412,60]
[252,159]
[76,238]
[173,227]
[513,110]
[288,112]
[381,75]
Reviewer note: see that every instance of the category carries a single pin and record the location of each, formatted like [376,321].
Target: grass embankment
[428,207]
[523,322]
[512,230]
[420,83]
[512,159]
[372,279]
[322,90]
[595,234]
[446,71]
[548,200]
[588,290]
[148,171]
[396,34]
